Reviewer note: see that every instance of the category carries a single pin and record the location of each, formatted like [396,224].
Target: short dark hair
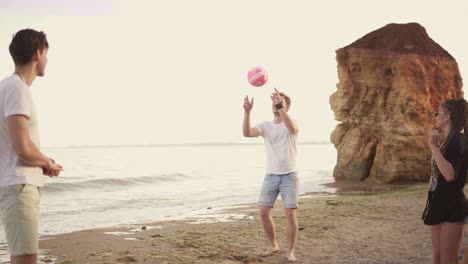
[286,98]
[25,43]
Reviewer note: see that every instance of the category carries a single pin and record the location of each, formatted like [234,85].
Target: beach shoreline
[355,225]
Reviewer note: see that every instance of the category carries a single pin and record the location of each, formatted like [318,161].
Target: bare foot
[291,258]
[271,251]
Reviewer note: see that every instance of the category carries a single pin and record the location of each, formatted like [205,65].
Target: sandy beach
[357,225]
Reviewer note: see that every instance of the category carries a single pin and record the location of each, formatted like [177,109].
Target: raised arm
[290,124]
[445,167]
[246,129]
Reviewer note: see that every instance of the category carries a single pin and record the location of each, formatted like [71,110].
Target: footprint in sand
[127,259]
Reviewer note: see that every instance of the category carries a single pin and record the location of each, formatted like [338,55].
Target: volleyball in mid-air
[257,76]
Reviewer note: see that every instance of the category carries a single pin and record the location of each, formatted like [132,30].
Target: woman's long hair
[458,110]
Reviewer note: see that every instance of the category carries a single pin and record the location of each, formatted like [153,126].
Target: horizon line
[181,144]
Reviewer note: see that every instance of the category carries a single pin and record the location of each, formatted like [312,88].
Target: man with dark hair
[22,165]
[281,171]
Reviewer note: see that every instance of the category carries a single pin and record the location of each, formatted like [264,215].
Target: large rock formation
[390,83]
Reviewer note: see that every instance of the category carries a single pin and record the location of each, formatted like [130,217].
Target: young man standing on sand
[281,172]
[22,165]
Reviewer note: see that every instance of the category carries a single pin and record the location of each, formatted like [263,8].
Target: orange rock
[390,83]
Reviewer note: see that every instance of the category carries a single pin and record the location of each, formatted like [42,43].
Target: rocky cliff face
[390,83]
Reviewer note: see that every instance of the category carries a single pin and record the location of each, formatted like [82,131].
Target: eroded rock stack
[390,83]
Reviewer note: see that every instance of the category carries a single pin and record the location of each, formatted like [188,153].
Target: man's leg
[24,259]
[20,216]
[289,193]
[269,228]
[291,232]
[268,195]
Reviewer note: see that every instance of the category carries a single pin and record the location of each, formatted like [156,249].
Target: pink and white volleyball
[257,76]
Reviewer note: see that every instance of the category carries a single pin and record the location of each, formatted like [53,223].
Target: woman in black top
[447,207]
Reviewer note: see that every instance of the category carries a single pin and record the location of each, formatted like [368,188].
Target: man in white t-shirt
[281,171]
[22,165]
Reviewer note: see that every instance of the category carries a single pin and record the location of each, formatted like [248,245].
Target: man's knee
[291,214]
[265,212]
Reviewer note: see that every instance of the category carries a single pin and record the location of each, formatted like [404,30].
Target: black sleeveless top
[446,201]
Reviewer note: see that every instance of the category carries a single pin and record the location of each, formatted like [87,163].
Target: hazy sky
[138,72]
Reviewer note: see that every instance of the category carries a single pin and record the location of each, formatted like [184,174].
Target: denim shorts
[274,184]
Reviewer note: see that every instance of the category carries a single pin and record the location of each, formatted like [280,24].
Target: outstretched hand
[276,98]
[248,105]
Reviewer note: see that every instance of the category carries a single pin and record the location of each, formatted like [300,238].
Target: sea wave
[112,182]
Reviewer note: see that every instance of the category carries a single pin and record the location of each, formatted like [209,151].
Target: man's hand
[52,169]
[248,105]
[276,98]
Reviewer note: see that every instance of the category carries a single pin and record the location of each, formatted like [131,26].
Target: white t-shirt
[280,146]
[16,99]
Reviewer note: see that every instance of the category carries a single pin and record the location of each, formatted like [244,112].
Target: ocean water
[107,186]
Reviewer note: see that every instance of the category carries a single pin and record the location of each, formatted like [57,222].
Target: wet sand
[360,224]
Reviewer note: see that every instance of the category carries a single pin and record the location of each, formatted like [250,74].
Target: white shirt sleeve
[261,128]
[295,122]
[17,101]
